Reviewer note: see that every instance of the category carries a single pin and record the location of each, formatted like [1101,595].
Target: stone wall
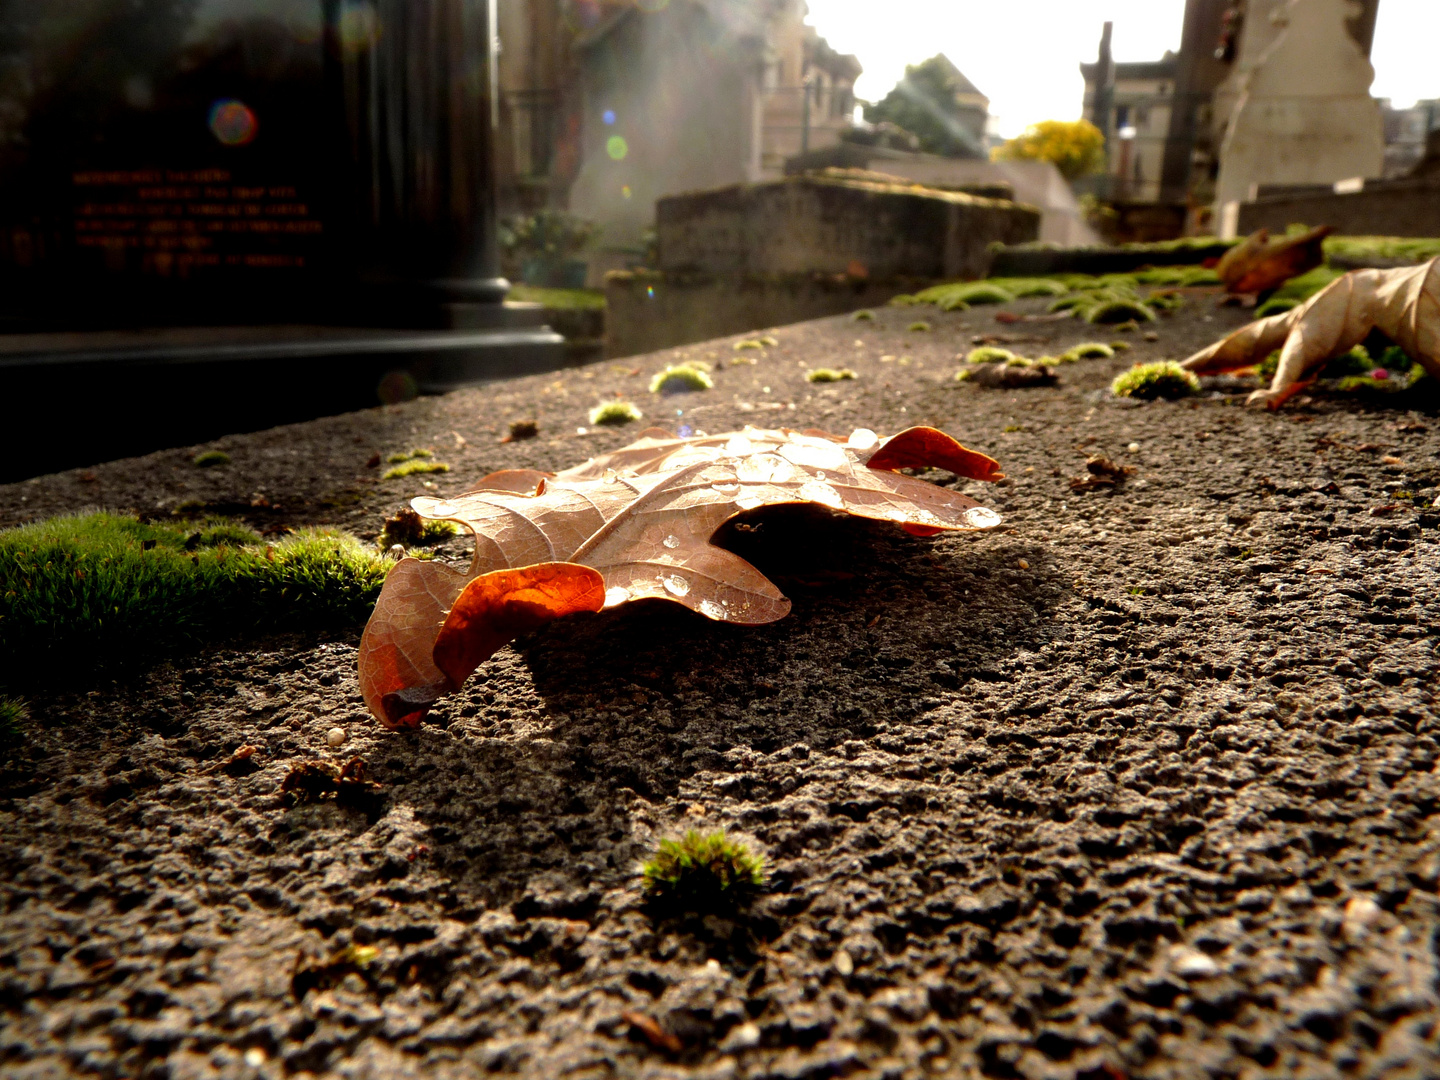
[1396,208]
[864,227]
[649,311]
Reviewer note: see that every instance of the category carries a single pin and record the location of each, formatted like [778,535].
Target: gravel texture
[1139,785]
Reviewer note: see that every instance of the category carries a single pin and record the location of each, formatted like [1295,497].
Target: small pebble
[1361,913]
[1134,448]
[255,1057]
[335,736]
[1152,336]
[741,1037]
[1193,964]
[843,964]
[1022,564]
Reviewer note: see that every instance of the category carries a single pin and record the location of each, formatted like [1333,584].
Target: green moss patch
[680,379]
[414,467]
[1088,350]
[409,455]
[409,529]
[989,354]
[1119,311]
[96,590]
[920,326]
[615,413]
[703,872]
[825,374]
[210,458]
[1165,379]
[863,315]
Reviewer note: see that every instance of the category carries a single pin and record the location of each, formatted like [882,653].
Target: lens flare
[617,147]
[625,191]
[608,116]
[233,122]
[397,386]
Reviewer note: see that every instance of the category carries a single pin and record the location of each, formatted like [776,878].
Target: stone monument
[290,194]
[1304,114]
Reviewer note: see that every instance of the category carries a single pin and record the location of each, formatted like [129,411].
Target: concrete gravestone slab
[1305,115]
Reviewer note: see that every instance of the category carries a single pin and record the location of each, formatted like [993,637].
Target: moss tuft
[1120,346]
[413,467]
[409,529]
[210,458]
[989,354]
[826,374]
[13,714]
[681,378]
[920,326]
[863,315]
[521,429]
[749,345]
[1088,350]
[81,591]
[615,412]
[1119,311]
[409,455]
[964,375]
[1020,288]
[703,872]
[1165,379]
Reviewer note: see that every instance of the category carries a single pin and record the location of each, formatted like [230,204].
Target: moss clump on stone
[409,529]
[521,429]
[101,589]
[1165,300]
[615,412]
[1119,311]
[1021,288]
[920,326]
[415,466]
[703,871]
[1165,379]
[210,458]
[1088,350]
[680,379]
[409,455]
[748,345]
[1276,305]
[825,374]
[13,714]
[1120,346]
[964,375]
[989,354]
[863,315]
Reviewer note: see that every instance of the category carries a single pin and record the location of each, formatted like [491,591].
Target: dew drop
[981,517]
[672,541]
[815,453]
[739,445]
[765,469]
[616,594]
[710,609]
[610,476]
[816,492]
[821,476]
[675,585]
[726,488]
[862,439]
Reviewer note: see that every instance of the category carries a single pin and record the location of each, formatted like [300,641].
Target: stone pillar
[1305,115]
[418,81]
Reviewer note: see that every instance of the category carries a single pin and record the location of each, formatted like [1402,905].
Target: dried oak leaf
[1403,304]
[631,525]
[1101,472]
[1260,263]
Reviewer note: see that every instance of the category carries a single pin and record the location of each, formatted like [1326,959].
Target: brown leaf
[630,525]
[654,1034]
[498,606]
[1403,304]
[1260,263]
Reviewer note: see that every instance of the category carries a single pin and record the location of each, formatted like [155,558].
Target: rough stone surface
[1009,810]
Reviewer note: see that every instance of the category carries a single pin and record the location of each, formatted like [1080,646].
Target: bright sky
[1024,54]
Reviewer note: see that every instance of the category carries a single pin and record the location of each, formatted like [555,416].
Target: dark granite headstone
[221,163]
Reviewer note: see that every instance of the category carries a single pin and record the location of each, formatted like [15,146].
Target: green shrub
[615,412]
[92,590]
[826,374]
[210,458]
[700,872]
[989,354]
[1165,379]
[681,378]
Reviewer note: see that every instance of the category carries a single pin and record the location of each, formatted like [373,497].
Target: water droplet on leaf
[675,585]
